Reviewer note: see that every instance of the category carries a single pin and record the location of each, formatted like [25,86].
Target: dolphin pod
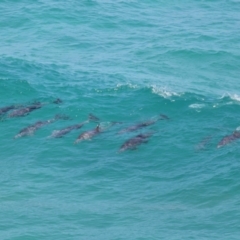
[15,110]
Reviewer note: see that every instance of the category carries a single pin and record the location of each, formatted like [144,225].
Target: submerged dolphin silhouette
[204,142]
[88,134]
[143,124]
[228,139]
[132,143]
[32,128]
[4,110]
[24,110]
[60,133]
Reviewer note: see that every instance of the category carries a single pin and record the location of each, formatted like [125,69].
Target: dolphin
[23,111]
[137,126]
[228,139]
[163,117]
[132,143]
[60,133]
[88,134]
[143,124]
[91,117]
[34,127]
[57,101]
[4,110]
[204,142]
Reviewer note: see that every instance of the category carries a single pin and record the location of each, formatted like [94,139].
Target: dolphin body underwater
[66,130]
[143,124]
[34,127]
[4,110]
[88,134]
[132,143]
[60,133]
[23,111]
[228,139]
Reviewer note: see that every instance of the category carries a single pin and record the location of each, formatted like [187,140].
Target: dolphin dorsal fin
[92,117]
[98,128]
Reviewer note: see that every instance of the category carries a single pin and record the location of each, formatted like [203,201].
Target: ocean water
[125,62]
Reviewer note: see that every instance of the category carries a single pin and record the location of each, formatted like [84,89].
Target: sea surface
[126,62]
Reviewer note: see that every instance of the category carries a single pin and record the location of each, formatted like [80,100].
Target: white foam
[129,85]
[197,105]
[120,86]
[235,97]
[164,92]
[224,95]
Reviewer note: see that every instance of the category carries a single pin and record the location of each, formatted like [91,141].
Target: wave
[164,92]
[232,96]
[195,100]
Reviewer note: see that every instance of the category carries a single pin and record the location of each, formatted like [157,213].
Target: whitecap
[123,85]
[197,105]
[164,92]
[235,97]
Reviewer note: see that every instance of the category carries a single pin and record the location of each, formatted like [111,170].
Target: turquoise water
[128,62]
